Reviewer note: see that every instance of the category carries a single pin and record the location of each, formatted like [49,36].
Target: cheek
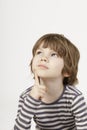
[34,63]
[59,66]
[33,66]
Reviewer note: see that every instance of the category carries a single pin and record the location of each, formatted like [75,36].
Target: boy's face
[47,64]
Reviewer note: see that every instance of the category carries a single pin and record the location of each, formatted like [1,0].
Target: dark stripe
[22,120]
[55,125]
[79,106]
[35,103]
[79,100]
[22,126]
[56,116]
[25,116]
[28,112]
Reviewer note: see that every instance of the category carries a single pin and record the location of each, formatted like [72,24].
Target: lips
[43,66]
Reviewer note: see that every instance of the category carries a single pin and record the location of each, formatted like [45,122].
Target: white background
[22,22]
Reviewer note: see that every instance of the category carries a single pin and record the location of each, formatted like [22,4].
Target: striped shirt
[69,112]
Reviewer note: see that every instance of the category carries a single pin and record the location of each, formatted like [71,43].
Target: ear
[66,75]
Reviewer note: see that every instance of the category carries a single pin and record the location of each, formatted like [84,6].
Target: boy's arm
[26,110]
[79,109]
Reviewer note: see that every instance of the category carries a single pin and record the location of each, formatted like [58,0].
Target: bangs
[55,45]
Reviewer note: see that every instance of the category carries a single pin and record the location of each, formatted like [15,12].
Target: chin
[44,75]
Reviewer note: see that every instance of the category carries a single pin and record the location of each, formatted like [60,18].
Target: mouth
[42,66]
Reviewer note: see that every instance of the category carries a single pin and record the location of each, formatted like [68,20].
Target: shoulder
[25,93]
[77,100]
[74,96]
[26,98]
[72,93]
[73,90]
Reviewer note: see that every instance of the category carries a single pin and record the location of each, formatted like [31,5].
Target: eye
[54,54]
[38,52]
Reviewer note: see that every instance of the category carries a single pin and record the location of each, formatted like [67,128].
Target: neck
[54,86]
[54,90]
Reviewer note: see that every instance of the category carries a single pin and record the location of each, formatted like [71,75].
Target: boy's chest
[54,114]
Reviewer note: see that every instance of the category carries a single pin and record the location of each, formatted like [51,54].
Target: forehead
[51,45]
[45,48]
[44,45]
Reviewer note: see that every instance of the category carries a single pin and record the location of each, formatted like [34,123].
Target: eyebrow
[42,48]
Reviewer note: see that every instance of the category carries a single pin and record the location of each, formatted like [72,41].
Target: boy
[53,101]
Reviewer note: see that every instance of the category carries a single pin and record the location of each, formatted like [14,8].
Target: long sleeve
[26,110]
[79,109]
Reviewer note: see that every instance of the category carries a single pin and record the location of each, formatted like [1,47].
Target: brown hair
[65,49]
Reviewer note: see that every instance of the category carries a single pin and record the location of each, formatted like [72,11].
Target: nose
[45,59]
